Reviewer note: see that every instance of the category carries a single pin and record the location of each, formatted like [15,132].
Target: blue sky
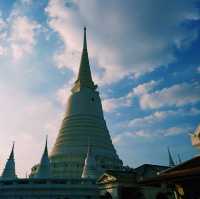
[144,56]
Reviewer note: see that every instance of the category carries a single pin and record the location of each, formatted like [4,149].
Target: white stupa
[83,118]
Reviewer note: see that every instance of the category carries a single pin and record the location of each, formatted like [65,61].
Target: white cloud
[159,116]
[175,131]
[176,95]
[18,32]
[150,134]
[112,104]
[150,119]
[22,36]
[140,133]
[145,87]
[122,137]
[60,20]
[19,37]
[132,39]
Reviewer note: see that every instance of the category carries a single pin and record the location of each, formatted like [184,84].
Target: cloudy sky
[144,55]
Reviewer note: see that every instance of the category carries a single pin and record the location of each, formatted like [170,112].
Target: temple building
[83,163]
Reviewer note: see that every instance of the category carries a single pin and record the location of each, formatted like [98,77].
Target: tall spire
[44,167]
[84,76]
[171,161]
[9,170]
[12,151]
[90,167]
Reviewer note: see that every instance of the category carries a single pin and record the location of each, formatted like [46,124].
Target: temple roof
[188,170]
[84,76]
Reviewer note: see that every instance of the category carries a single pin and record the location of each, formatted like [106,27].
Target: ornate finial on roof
[85,40]
[46,145]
